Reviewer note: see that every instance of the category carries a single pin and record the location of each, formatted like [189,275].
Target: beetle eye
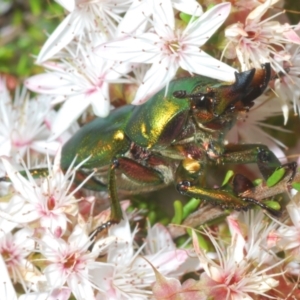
[180,94]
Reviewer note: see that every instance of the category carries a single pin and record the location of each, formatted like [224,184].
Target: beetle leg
[116,211]
[190,179]
[92,183]
[139,173]
[136,173]
[266,160]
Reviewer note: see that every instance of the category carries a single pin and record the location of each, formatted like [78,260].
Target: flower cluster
[110,53]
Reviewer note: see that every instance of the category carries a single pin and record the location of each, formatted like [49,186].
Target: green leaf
[296,185]
[177,219]
[35,7]
[275,177]
[272,204]
[190,207]
[203,243]
[257,181]
[185,17]
[227,177]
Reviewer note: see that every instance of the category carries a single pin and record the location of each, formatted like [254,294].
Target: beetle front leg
[265,159]
[188,185]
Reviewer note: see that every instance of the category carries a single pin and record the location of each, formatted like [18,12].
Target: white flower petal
[138,11]
[46,147]
[61,37]
[68,113]
[100,101]
[155,79]
[144,50]
[49,83]
[190,7]
[163,17]
[203,28]
[69,5]
[7,290]
[204,64]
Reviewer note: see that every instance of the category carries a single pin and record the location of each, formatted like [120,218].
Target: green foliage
[276,177]
[272,204]
[296,186]
[227,177]
[24,30]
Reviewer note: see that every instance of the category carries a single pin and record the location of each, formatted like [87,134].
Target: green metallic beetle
[172,138]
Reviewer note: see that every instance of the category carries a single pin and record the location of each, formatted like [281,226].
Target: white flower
[231,275]
[287,86]
[259,232]
[14,249]
[141,10]
[48,202]
[70,262]
[126,275]
[289,234]
[80,80]
[167,49]
[19,130]
[255,42]
[85,17]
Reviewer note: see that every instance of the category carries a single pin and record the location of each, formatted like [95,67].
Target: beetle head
[241,94]
[217,103]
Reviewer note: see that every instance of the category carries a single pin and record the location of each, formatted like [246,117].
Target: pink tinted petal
[53,66]
[259,11]
[49,83]
[201,30]
[292,36]
[155,79]
[168,262]
[144,50]
[54,222]
[62,36]
[166,288]
[60,294]
[237,238]
[68,113]
[203,64]
[100,101]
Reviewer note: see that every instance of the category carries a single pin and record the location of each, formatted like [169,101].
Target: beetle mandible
[172,138]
